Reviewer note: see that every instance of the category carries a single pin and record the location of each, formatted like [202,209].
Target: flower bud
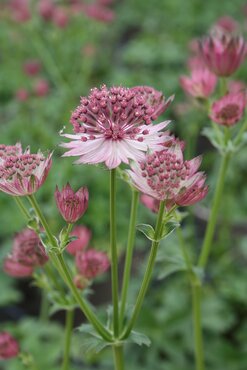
[8,346]
[71,205]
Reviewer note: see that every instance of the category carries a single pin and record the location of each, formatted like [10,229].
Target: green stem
[114,254]
[129,253]
[183,248]
[207,243]
[198,338]
[22,208]
[67,342]
[83,305]
[118,357]
[148,272]
[44,307]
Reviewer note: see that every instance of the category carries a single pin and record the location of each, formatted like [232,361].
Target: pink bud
[91,263]
[84,235]
[60,17]
[22,94]
[41,87]
[71,205]
[46,9]
[32,67]
[9,347]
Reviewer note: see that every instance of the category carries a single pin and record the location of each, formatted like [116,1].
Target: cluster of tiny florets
[24,165]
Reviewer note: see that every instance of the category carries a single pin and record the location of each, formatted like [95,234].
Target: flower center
[229,111]
[24,165]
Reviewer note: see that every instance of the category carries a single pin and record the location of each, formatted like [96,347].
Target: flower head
[164,175]
[223,53]
[201,84]
[32,67]
[91,263]
[71,205]
[9,346]
[7,151]
[27,254]
[228,110]
[114,125]
[24,174]
[83,235]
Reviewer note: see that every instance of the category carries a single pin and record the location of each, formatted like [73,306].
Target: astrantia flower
[223,53]
[91,263]
[114,125]
[71,205]
[7,151]
[83,235]
[27,254]
[9,346]
[228,110]
[24,174]
[201,84]
[164,175]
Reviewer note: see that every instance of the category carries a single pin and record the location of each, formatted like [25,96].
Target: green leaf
[91,341]
[138,338]
[171,265]
[147,230]
[168,228]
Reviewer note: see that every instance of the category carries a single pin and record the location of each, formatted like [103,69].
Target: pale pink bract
[114,125]
[164,175]
[229,110]
[24,174]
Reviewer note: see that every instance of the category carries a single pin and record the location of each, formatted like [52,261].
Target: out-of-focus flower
[41,87]
[229,110]
[46,9]
[32,67]
[196,62]
[7,151]
[99,12]
[223,53]
[71,205]
[201,84]
[164,175]
[114,125]
[235,86]
[24,174]
[22,94]
[83,235]
[9,346]
[150,202]
[226,24]
[60,17]
[20,10]
[80,282]
[27,254]
[91,263]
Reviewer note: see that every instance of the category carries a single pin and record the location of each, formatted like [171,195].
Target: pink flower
[41,87]
[20,10]
[46,9]
[201,84]
[7,151]
[150,202]
[114,125]
[22,94]
[27,253]
[99,12]
[164,175]
[84,235]
[60,17]
[91,263]
[71,205]
[228,110]
[227,24]
[24,174]
[223,53]
[32,67]
[9,346]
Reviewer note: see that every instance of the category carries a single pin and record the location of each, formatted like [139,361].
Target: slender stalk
[83,305]
[183,248]
[118,357]
[44,307]
[67,340]
[114,254]
[129,253]
[198,338]
[22,208]
[148,272]
[206,246]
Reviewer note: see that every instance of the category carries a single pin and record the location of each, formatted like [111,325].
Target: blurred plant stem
[118,357]
[69,321]
[44,307]
[22,208]
[129,252]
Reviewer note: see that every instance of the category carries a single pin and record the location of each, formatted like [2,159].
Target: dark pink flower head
[24,174]
[71,205]
[20,10]
[46,9]
[7,151]
[83,235]
[164,175]
[27,254]
[201,84]
[229,110]
[9,346]
[223,53]
[114,125]
[60,17]
[22,94]
[32,67]
[91,263]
